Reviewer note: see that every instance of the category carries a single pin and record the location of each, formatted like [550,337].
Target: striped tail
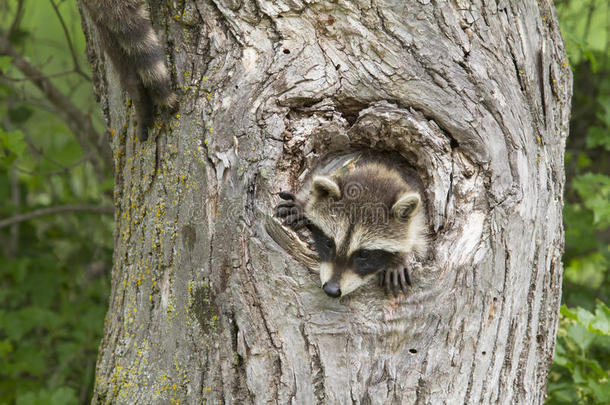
[137,55]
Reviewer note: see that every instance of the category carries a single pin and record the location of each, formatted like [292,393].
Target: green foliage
[582,357]
[581,371]
[594,192]
[12,146]
[54,270]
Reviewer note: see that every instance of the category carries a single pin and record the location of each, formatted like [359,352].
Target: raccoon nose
[331,288]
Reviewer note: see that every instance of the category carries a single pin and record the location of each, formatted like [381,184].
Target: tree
[207,306]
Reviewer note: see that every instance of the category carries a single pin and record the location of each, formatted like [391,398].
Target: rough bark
[207,306]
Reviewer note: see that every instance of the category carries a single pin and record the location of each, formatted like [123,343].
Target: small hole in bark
[454,144]
[286,51]
[484,353]
[412,351]
[495,299]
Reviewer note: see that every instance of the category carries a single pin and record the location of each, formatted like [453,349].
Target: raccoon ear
[325,186]
[406,204]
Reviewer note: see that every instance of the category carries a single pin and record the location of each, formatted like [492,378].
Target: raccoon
[129,40]
[365,220]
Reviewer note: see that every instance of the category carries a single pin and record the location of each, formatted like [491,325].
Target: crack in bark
[473,366]
[316,366]
[239,368]
[541,81]
[500,315]
[527,338]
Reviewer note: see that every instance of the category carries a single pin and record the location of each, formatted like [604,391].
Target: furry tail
[131,43]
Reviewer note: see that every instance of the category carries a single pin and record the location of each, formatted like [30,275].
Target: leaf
[568,313]
[31,359]
[19,36]
[17,324]
[5,63]
[601,322]
[592,60]
[604,115]
[63,396]
[601,391]
[13,141]
[584,161]
[584,317]
[586,270]
[59,396]
[581,335]
[594,190]
[577,376]
[19,114]
[598,137]
[5,348]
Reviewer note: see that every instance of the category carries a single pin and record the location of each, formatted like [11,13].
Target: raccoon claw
[290,210]
[394,279]
[284,211]
[293,220]
[287,195]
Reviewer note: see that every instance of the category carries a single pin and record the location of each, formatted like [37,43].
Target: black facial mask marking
[366,262]
[325,246]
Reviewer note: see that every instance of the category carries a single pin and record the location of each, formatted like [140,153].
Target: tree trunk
[206,303]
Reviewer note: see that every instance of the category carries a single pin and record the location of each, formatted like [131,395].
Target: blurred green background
[55,261]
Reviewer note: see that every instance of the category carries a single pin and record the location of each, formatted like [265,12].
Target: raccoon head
[363,221]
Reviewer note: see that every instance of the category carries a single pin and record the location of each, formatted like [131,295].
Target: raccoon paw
[394,279]
[291,210]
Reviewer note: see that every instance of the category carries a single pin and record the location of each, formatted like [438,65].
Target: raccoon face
[362,223]
[341,274]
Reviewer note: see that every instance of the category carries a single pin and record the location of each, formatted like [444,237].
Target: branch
[13,245]
[61,209]
[80,124]
[49,76]
[16,20]
[77,68]
[589,18]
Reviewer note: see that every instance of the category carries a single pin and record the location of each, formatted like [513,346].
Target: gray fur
[363,205]
[128,37]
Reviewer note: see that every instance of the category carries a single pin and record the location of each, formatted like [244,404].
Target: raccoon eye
[368,261]
[363,254]
[325,246]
